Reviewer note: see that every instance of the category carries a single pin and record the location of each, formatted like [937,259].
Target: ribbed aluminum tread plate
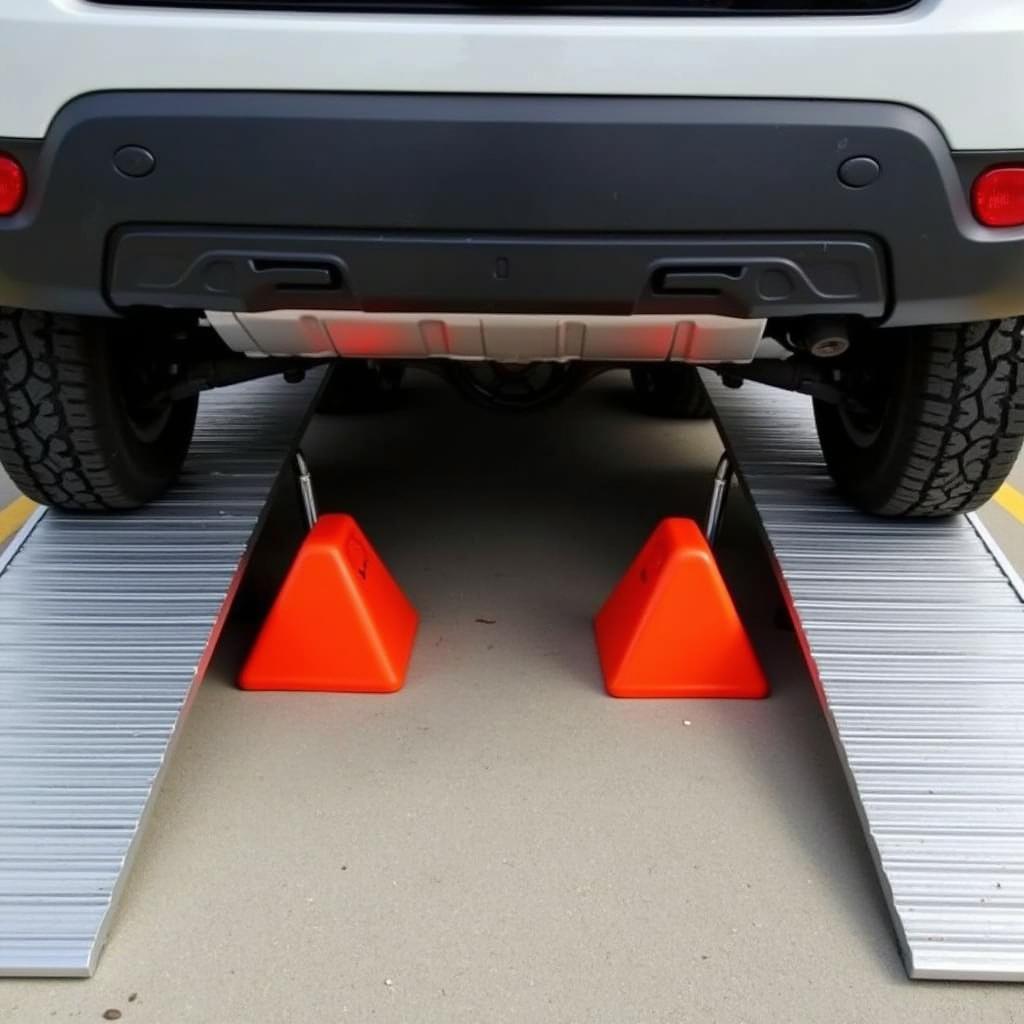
[914,632]
[106,625]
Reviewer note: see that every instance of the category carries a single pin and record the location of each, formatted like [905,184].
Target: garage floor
[500,841]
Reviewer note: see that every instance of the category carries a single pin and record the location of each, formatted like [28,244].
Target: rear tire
[939,423]
[673,390]
[81,426]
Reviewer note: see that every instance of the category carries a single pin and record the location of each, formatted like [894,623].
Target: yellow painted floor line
[1012,500]
[14,515]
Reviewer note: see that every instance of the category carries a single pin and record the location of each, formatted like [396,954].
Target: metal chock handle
[306,490]
[719,494]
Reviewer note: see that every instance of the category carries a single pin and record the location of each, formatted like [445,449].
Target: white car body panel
[960,61]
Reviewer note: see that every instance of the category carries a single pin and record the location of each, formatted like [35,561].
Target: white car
[825,195]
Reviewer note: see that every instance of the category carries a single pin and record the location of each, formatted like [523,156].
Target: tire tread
[48,433]
[971,425]
[64,439]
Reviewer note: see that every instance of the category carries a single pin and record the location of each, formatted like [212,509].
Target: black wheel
[361,386]
[83,424]
[932,421]
[514,387]
[670,389]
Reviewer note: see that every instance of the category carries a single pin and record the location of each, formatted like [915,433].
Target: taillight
[998,197]
[12,185]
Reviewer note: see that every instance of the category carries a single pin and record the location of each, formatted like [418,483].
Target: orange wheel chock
[340,622]
[670,628]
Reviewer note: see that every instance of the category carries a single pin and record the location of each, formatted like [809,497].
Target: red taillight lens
[998,197]
[12,185]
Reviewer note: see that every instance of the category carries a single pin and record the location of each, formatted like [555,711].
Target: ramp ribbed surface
[106,625]
[915,634]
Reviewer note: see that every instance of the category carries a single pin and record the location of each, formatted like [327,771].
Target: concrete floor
[1009,532]
[8,492]
[500,841]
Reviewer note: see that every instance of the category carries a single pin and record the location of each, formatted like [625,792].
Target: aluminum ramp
[914,633]
[106,627]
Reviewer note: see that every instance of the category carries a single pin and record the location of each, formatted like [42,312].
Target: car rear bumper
[505,205]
